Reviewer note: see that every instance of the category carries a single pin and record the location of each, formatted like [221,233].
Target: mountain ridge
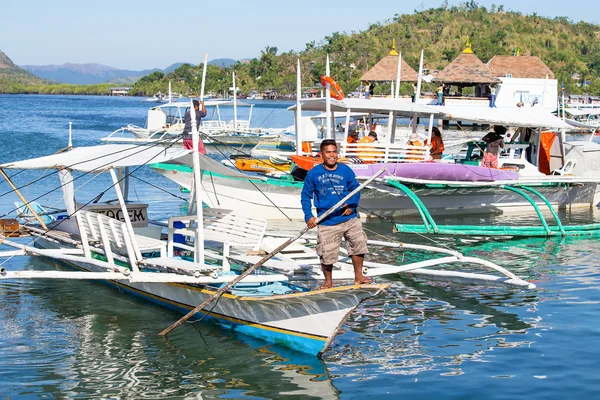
[95,73]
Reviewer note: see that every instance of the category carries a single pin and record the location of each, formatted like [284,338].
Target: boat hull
[259,197]
[304,321]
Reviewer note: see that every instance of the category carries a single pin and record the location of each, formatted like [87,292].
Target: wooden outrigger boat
[271,304]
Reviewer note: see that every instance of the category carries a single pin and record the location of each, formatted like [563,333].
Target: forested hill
[11,74]
[565,46]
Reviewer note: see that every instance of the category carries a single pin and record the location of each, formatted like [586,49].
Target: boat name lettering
[135,215]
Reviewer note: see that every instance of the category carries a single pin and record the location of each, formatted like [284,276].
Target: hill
[223,62]
[85,74]
[90,74]
[12,74]
[568,48]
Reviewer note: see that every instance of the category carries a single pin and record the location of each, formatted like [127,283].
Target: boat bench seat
[113,236]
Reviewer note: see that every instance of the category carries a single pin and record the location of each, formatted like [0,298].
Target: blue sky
[134,34]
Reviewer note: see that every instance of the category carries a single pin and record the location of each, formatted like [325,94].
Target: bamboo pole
[267,257]
[25,202]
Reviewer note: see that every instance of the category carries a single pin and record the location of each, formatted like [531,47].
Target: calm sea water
[419,340]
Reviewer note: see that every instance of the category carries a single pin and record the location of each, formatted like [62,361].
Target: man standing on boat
[327,184]
[187,129]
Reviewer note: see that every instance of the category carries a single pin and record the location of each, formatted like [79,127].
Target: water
[419,340]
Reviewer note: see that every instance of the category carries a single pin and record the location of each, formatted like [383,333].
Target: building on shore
[526,81]
[466,71]
[119,91]
[386,70]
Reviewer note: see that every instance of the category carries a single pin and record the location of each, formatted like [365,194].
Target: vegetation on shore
[566,47]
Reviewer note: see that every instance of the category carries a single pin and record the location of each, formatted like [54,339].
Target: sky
[136,35]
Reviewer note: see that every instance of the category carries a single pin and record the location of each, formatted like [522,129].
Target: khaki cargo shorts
[329,240]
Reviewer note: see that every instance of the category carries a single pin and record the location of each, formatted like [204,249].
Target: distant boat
[157,98]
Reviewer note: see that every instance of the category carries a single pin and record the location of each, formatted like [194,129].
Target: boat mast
[298,110]
[234,103]
[328,102]
[199,239]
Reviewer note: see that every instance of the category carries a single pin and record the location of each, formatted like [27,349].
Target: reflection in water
[69,339]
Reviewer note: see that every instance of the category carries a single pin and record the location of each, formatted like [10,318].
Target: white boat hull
[304,321]
[258,198]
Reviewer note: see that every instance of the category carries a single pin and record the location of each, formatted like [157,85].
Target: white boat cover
[207,103]
[586,111]
[529,117]
[101,158]
[370,106]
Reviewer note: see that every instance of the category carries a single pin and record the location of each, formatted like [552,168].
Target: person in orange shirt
[352,137]
[365,151]
[370,138]
[414,154]
[437,144]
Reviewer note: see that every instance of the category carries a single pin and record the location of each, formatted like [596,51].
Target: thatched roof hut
[387,68]
[519,67]
[466,70]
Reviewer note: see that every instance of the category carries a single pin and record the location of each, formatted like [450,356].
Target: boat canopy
[102,158]
[207,103]
[372,106]
[529,117]
[578,111]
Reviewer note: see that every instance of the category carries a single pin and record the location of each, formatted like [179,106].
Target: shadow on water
[82,339]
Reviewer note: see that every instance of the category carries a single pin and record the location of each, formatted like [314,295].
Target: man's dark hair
[327,142]
[196,103]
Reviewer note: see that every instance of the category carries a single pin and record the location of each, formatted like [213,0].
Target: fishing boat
[166,121]
[583,118]
[564,173]
[114,242]
[127,252]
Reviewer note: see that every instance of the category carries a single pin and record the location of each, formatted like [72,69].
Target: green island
[570,49]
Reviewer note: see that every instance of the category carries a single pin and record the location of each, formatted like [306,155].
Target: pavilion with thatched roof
[528,67]
[467,70]
[387,69]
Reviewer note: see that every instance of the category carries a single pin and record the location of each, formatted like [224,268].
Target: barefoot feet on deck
[363,281]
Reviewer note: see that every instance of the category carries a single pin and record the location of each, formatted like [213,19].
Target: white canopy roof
[579,111]
[530,117]
[207,103]
[101,158]
[373,106]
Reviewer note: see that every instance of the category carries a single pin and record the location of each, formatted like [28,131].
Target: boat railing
[385,152]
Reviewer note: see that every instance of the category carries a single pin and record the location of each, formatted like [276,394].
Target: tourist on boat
[440,94]
[187,129]
[495,142]
[367,152]
[414,154]
[370,138]
[352,137]
[437,144]
[493,89]
[325,185]
[414,93]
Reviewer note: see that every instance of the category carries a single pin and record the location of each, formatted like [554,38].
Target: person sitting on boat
[437,144]
[366,151]
[495,142]
[414,154]
[187,129]
[325,185]
[352,137]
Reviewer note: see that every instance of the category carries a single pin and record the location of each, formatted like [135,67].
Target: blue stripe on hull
[303,344]
[308,345]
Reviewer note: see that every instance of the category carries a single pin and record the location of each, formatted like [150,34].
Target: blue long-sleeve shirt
[326,188]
